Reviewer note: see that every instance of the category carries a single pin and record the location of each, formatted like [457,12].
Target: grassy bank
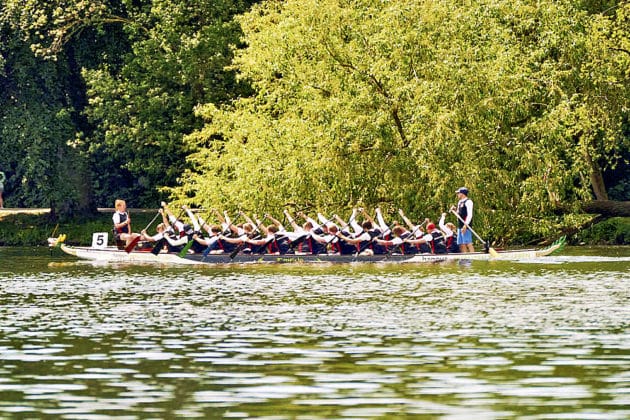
[614,231]
[34,229]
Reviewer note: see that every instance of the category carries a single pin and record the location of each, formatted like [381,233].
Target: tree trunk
[597,179]
[608,208]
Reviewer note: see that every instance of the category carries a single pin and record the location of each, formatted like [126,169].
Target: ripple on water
[484,340]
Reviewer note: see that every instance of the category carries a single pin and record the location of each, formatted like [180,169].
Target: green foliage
[33,230]
[127,75]
[614,231]
[36,123]
[398,104]
[142,110]
[325,104]
[621,191]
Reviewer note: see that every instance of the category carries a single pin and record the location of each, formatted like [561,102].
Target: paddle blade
[158,247]
[184,251]
[237,250]
[132,244]
[492,252]
[60,240]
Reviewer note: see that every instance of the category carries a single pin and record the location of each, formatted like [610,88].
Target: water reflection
[489,340]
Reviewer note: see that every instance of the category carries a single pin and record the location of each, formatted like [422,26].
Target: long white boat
[112,254]
[115,255]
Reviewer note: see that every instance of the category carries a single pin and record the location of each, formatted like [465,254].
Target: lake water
[547,339]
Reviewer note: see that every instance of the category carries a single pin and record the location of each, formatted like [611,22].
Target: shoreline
[33,227]
[9,211]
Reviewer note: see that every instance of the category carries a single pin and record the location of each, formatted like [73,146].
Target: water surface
[547,339]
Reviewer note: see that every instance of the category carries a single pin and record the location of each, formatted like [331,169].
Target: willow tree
[396,104]
[138,70]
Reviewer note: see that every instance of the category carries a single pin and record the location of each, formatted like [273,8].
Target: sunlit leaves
[399,103]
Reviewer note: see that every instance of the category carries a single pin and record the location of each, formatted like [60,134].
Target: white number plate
[99,240]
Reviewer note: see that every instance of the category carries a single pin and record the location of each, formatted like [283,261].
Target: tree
[135,72]
[143,110]
[399,104]
[37,121]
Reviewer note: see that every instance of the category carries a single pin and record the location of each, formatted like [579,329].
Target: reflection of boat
[112,254]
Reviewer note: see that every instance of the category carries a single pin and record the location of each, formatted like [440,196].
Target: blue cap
[462,190]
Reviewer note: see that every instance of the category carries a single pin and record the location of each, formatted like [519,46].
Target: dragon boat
[112,254]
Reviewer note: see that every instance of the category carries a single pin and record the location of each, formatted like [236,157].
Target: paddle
[303,235]
[412,235]
[135,240]
[226,231]
[237,250]
[227,228]
[157,248]
[52,235]
[185,249]
[363,247]
[372,238]
[189,244]
[242,244]
[51,240]
[487,246]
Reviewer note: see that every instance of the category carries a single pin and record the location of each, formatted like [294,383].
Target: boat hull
[114,255]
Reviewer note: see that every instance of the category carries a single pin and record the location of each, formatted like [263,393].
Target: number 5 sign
[99,240]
